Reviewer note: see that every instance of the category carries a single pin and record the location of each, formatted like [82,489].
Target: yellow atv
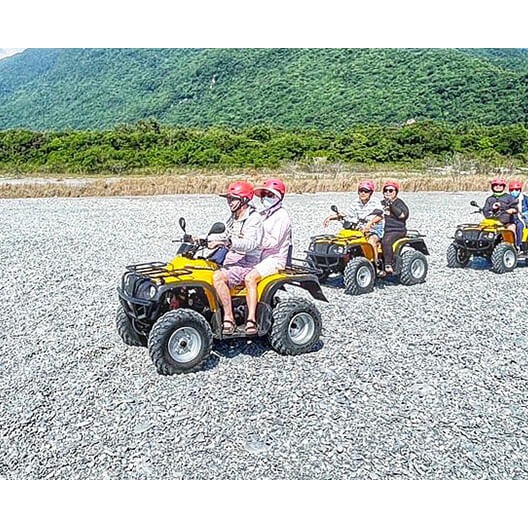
[489,239]
[349,253]
[173,309]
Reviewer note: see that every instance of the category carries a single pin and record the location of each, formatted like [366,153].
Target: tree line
[150,147]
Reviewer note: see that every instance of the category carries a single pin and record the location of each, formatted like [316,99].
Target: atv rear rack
[413,233]
[303,266]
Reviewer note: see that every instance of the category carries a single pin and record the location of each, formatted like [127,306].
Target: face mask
[515,194]
[269,201]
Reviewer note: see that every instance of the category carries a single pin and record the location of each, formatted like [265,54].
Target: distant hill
[55,89]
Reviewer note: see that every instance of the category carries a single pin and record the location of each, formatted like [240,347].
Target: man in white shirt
[244,237]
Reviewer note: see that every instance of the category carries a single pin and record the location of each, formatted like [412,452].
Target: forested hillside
[332,89]
[150,147]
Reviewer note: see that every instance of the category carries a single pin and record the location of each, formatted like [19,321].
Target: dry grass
[308,180]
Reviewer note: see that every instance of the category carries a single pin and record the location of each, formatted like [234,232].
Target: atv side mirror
[217,228]
[182,223]
[473,203]
[334,208]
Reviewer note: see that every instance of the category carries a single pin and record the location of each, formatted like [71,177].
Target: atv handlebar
[189,240]
[480,210]
[352,225]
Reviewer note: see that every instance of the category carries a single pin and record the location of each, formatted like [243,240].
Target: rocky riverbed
[421,382]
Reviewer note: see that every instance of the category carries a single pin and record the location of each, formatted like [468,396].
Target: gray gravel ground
[423,382]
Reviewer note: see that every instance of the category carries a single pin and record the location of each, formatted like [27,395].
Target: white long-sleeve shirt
[277,235]
[246,233]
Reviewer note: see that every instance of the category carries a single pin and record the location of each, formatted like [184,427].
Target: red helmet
[273,185]
[498,180]
[367,184]
[515,186]
[240,189]
[392,183]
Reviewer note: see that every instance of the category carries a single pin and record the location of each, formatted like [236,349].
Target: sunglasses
[364,191]
[232,198]
[389,189]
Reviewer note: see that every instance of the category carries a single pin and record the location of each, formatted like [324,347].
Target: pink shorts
[236,275]
[237,269]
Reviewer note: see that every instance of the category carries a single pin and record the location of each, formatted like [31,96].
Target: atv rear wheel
[503,258]
[179,341]
[413,267]
[126,330]
[296,326]
[457,257]
[359,276]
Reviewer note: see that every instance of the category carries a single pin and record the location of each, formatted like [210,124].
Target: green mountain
[55,89]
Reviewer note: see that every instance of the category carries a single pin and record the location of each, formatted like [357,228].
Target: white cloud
[7,52]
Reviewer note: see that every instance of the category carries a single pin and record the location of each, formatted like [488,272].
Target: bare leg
[512,228]
[221,287]
[373,240]
[251,280]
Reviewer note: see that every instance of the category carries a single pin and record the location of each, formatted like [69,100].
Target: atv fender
[417,244]
[507,236]
[308,282]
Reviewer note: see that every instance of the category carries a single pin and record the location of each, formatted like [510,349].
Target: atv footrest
[240,332]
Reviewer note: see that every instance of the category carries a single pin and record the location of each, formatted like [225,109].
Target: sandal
[251,327]
[228,327]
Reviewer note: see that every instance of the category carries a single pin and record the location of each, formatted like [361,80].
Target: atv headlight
[337,250]
[459,233]
[311,247]
[153,291]
[490,235]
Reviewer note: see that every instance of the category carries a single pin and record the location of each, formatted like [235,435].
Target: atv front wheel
[359,276]
[413,267]
[503,258]
[457,257]
[179,341]
[296,326]
[126,330]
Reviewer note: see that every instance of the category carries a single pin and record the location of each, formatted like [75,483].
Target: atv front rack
[156,270]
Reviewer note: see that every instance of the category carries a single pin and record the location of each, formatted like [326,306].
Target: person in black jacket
[501,205]
[395,214]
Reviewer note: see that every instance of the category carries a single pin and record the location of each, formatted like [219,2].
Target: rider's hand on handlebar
[327,220]
[212,244]
[192,239]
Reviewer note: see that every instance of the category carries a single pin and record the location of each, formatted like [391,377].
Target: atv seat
[238,291]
